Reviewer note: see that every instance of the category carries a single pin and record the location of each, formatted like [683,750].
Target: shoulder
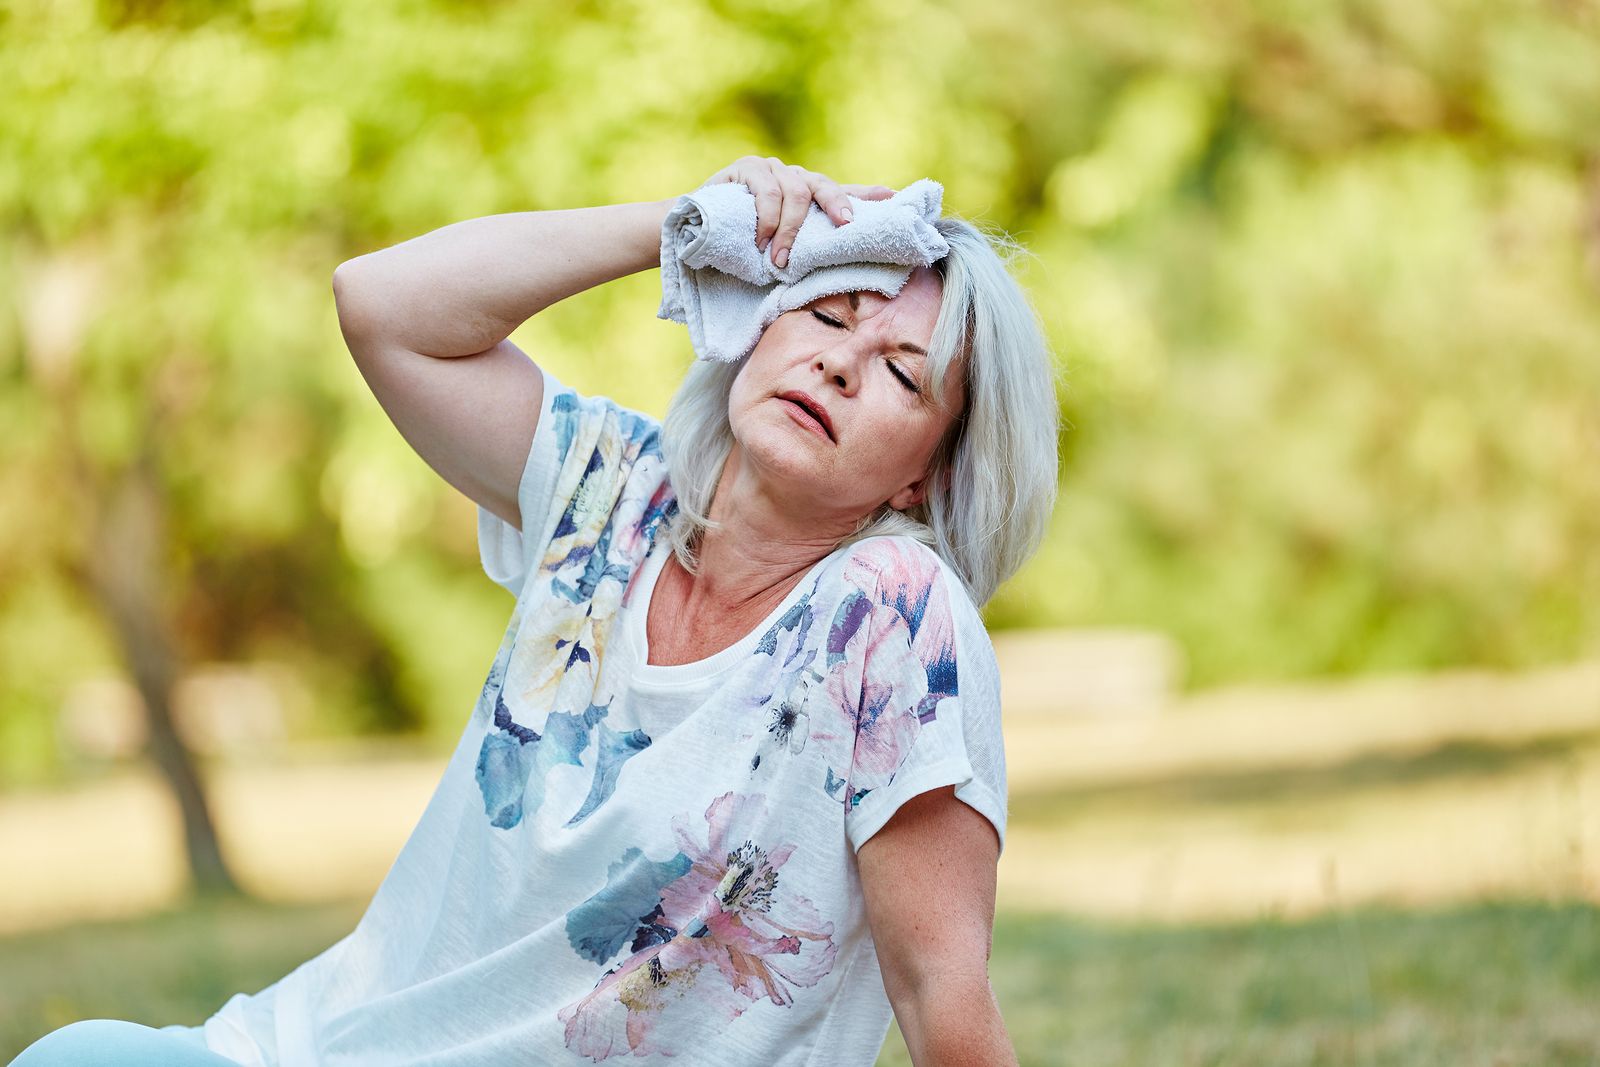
[598,423]
[877,562]
[905,574]
[611,489]
[909,590]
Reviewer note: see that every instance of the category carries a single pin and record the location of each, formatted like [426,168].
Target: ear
[909,496]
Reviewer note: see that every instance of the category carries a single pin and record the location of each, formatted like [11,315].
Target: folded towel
[716,281]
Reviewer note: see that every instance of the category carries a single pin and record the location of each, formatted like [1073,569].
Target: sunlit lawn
[1489,984]
[1269,880]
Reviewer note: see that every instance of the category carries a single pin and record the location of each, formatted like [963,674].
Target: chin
[782,456]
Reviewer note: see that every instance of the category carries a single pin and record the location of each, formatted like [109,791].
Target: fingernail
[783,257]
[847,214]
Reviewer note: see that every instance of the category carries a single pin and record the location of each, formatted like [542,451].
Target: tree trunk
[122,566]
[126,575]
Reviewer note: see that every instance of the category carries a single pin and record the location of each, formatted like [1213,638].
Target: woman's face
[833,407]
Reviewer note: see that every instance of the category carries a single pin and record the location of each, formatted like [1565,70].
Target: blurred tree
[118,561]
[1322,279]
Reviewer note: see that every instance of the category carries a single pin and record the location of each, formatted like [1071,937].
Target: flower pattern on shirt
[605,526]
[905,577]
[874,710]
[861,720]
[711,932]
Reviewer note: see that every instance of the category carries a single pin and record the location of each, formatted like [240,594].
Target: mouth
[809,413]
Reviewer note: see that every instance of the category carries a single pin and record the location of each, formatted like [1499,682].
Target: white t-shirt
[624,859]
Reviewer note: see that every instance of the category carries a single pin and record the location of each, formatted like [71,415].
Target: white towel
[716,281]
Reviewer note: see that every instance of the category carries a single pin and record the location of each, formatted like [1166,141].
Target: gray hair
[992,482]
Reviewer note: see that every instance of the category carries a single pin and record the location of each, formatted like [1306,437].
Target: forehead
[909,317]
[920,294]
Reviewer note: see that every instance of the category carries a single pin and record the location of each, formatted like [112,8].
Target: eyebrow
[904,346]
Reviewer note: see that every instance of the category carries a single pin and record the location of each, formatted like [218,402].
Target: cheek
[740,395]
[759,370]
[931,434]
[900,451]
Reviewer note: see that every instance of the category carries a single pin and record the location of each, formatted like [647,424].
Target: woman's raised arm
[427,319]
[461,289]
[410,313]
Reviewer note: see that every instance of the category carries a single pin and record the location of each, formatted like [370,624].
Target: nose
[838,365]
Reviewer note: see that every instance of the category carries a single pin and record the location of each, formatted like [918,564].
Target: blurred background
[1302,692]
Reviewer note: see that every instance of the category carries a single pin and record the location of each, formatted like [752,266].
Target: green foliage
[1321,279]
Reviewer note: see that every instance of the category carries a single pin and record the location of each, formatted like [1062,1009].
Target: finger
[868,192]
[796,205]
[834,201]
[730,173]
[769,204]
[755,174]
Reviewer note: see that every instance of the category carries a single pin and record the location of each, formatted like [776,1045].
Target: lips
[812,408]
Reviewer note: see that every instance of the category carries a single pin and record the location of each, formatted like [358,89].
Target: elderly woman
[735,786]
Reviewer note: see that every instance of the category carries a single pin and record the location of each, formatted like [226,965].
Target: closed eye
[894,368]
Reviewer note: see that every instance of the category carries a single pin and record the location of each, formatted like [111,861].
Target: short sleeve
[930,693]
[584,451]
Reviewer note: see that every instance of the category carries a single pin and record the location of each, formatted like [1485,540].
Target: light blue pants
[114,1043]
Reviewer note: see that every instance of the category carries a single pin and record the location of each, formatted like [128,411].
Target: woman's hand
[783,195]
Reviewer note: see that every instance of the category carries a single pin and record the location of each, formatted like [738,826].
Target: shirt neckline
[653,675]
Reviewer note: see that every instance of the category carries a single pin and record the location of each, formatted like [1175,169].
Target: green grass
[1462,762]
[1490,985]
[173,967]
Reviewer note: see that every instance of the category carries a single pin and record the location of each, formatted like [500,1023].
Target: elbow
[354,279]
[349,303]
[344,280]
[342,287]
[944,986]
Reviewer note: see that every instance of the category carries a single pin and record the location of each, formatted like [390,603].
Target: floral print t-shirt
[633,860]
